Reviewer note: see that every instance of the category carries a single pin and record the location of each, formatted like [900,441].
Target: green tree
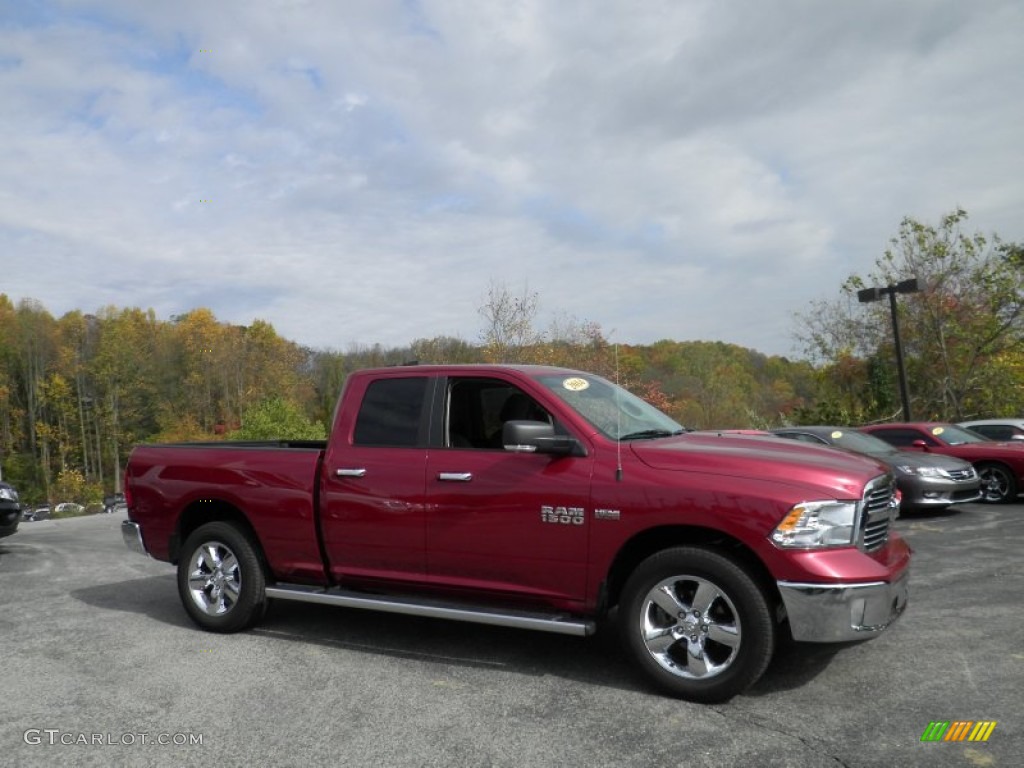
[278,419]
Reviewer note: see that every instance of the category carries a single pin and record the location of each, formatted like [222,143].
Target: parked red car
[1000,465]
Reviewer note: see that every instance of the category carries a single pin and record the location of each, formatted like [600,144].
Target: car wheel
[997,483]
[697,624]
[220,578]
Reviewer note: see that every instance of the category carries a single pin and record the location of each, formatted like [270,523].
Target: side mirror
[538,437]
[921,445]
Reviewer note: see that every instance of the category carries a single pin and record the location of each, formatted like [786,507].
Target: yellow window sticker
[575,384]
[938,430]
[836,435]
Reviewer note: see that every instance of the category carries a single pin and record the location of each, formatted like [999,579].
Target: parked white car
[68,509]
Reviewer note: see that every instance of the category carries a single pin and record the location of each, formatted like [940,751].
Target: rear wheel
[697,624]
[997,483]
[220,578]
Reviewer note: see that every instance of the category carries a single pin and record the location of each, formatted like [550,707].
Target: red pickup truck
[538,498]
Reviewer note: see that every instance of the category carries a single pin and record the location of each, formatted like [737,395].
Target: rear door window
[392,413]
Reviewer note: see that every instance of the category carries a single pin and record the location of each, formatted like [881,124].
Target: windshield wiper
[647,434]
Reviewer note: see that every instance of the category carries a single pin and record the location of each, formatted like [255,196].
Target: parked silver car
[996,429]
[926,481]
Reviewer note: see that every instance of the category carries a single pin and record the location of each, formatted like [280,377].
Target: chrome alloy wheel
[997,484]
[214,578]
[690,627]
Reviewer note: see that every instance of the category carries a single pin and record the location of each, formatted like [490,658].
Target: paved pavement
[100,663]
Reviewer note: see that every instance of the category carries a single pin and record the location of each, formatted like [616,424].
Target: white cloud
[688,170]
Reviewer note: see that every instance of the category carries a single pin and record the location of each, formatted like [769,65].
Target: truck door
[372,482]
[500,521]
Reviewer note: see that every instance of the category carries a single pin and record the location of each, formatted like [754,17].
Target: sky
[363,172]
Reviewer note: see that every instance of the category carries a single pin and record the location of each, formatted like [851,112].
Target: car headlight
[817,524]
[9,494]
[924,471]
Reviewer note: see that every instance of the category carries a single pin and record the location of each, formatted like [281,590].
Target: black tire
[221,581]
[998,485]
[718,638]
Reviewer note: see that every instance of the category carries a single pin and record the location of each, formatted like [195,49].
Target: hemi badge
[606,514]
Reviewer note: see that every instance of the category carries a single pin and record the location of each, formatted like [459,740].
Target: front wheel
[997,483]
[220,578]
[697,624]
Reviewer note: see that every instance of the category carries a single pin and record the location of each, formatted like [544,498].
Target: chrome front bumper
[839,613]
[132,535]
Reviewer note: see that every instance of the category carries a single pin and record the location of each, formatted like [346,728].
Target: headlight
[924,471]
[9,494]
[815,524]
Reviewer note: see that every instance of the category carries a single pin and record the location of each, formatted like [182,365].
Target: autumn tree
[200,345]
[77,393]
[445,350]
[962,332]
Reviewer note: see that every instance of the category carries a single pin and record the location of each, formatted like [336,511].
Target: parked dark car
[38,512]
[1001,465]
[10,510]
[926,481]
[112,502]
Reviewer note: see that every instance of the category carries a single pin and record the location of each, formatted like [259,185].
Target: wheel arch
[653,540]
[205,511]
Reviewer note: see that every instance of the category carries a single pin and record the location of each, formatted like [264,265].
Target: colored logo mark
[958,730]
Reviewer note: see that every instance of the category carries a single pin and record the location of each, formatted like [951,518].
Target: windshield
[953,435]
[852,440]
[614,411]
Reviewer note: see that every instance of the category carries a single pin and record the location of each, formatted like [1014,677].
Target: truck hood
[819,469]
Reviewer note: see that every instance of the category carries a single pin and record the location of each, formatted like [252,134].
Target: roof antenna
[618,421]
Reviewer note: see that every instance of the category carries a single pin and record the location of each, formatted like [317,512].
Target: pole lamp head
[907,286]
[868,295]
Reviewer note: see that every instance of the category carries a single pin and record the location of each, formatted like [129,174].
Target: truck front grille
[876,512]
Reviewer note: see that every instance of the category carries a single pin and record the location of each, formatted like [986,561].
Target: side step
[544,622]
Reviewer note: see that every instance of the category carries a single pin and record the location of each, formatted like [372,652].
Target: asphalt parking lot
[101,667]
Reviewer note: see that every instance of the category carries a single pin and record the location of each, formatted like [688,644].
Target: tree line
[78,391]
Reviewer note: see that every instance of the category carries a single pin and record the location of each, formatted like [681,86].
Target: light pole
[875,294]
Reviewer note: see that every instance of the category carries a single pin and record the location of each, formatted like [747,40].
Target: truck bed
[274,482]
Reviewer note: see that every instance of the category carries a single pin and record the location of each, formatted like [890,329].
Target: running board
[544,622]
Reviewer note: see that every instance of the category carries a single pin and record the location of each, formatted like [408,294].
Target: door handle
[455,477]
[350,472]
